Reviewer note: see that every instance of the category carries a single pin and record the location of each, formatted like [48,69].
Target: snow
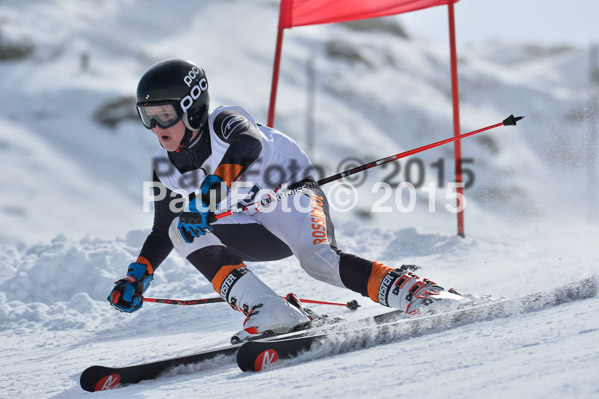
[71,213]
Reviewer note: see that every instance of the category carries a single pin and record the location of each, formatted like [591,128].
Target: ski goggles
[163,115]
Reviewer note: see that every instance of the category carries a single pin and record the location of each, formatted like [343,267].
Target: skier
[221,159]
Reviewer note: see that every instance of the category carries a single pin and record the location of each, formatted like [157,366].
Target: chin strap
[186,140]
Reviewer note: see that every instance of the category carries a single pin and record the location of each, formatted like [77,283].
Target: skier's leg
[303,223]
[308,230]
[223,266]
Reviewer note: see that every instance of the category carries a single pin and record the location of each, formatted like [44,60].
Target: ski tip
[512,120]
[98,378]
[265,359]
[256,358]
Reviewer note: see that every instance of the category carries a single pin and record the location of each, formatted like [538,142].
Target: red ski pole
[184,302]
[353,305]
[509,121]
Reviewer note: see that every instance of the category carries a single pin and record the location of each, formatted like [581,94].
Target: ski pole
[353,305]
[184,302]
[509,121]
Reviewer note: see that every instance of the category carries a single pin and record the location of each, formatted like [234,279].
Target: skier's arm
[126,295]
[158,245]
[245,144]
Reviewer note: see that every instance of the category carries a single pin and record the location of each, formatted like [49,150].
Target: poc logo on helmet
[191,75]
[194,93]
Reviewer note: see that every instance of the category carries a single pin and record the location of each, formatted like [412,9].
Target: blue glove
[197,221]
[126,295]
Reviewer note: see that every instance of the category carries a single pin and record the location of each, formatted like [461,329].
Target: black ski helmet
[178,82]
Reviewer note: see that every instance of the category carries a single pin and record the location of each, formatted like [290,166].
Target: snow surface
[71,211]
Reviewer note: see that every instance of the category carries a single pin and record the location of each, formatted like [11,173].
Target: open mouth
[165,138]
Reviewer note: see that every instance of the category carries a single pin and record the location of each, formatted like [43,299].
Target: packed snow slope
[74,159]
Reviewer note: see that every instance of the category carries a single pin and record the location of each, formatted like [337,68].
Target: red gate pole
[456,117]
[275,78]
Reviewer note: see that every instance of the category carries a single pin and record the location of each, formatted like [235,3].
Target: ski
[100,378]
[261,354]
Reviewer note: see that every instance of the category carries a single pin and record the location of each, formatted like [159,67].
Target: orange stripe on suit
[378,273]
[222,274]
[228,172]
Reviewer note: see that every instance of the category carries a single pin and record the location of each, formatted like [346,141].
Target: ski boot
[266,312]
[402,289]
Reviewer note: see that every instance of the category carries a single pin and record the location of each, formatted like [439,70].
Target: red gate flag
[312,12]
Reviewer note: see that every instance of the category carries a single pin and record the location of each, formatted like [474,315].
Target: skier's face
[170,138]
